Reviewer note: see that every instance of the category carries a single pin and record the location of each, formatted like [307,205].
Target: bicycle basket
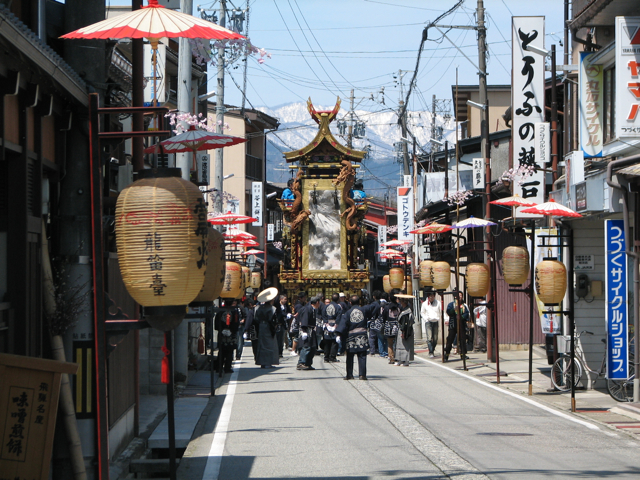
[564,343]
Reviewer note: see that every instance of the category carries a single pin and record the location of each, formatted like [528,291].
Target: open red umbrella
[252,251]
[432,228]
[246,243]
[552,208]
[194,140]
[389,252]
[514,201]
[396,243]
[230,219]
[234,234]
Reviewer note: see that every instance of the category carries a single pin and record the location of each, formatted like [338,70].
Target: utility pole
[350,134]
[403,125]
[484,148]
[219,170]
[184,91]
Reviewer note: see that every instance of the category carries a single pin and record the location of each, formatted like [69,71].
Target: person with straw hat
[265,319]
[404,349]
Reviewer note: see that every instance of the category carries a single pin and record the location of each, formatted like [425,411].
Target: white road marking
[214,459]
[514,395]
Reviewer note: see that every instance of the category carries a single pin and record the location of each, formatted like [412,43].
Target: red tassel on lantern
[164,371]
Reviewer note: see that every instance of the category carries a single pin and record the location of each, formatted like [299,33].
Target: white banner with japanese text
[256,203]
[590,106]
[405,213]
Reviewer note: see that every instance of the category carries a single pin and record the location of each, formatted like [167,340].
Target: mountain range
[382,170]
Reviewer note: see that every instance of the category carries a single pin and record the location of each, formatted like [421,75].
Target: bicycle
[620,390]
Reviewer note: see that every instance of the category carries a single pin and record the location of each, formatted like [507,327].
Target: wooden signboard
[29,389]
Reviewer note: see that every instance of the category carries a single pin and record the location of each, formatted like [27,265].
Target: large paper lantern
[246,276]
[515,265]
[440,275]
[425,273]
[214,276]
[256,280]
[386,285]
[396,277]
[233,281]
[161,236]
[478,279]
[551,281]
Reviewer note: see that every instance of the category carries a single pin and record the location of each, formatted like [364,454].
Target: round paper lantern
[214,275]
[440,275]
[425,273]
[232,287]
[551,281]
[386,286]
[246,276]
[161,236]
[256,280]
[478,279]
[515,265]
[396,276]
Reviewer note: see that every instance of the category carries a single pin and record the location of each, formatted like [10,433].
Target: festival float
[324,235]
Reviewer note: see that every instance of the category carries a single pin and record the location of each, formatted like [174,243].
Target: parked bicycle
[620,390]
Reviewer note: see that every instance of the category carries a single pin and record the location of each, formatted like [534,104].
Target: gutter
[636,263]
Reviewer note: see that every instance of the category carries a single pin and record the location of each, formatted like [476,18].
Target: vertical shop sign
[256,203]
[628,76]
[478,174]
[616,300]
[405,213]
[527,99]
[590,106]
[382,238]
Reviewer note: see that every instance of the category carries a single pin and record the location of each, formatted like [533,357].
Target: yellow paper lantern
[425,273]
[161,236]
[478,279]
[233,281]
[551,281]
[246,276]
[386,286]
[440,275]
[256,280]
[396,276]
[515,265]
[214,276]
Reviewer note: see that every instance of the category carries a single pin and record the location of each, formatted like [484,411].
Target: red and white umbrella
[514,201]
[552,208]
[473,222]
[397,243]
[154,21]
[252,251]
[230,219]
[389,252]
[432,228]
[246,243]
[234,234]
[194,140]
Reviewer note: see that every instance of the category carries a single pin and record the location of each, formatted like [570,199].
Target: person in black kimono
[307,335]
[455,307]
[283,315]
[227,325]
[353,325]
[390,315]
[331,312]
[374,323]
[265,317]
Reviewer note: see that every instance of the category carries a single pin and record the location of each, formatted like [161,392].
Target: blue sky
[321,49]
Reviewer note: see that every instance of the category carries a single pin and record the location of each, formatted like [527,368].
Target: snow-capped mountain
[381,137]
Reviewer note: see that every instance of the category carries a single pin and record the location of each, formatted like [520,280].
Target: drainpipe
[636,262]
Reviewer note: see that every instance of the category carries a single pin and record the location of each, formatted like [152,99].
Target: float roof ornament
[324,143]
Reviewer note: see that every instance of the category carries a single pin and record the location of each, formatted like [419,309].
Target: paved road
[423,421]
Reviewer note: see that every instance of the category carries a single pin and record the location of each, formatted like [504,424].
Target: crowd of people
[343,326]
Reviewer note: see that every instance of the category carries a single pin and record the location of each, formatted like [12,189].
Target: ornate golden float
[324,233]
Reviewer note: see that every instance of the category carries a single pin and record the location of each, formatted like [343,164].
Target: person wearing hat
[265,318]
[430,317]
[404,350]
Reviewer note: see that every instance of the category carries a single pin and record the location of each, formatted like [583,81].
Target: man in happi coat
[227,324]
[331,312]
[353,326]
[307,336]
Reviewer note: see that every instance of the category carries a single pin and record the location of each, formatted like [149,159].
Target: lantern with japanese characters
[551,281]
[396,277]
[478,279]
[161,236]
[233,281]
[214,275]
[440,275]
[246,276]
[256,279]
[515,265]
[386,286]
[425,273]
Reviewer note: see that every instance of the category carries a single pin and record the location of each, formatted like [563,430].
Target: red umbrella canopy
[389,252]
[432,228]
[234,234]
[231,219]
[154,21]
[397,243]
[253,251]
[194,140]
[514,201]
[246,243]
[552,208]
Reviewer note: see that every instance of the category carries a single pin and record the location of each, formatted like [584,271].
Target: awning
[631,170]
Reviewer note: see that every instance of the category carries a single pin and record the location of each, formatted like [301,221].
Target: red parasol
[230,219]
[389,252]
[514,201]
[552,208]
[472,222]
[396,243]
[432,228]
[234,234]
[194,140]
[253,251]
[154,22]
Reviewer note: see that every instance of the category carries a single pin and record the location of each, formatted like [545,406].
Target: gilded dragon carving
[347,175]
[295,217]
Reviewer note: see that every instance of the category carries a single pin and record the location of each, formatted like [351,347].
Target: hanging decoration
[396,277]
[478,279]
[515,265]
[214,275]
[232,286]
[440,275]
[425,273]
[551,281]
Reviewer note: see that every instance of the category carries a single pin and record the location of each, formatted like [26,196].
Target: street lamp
[476,105]
[538,50]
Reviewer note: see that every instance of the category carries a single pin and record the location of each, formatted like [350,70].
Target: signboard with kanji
[29,389]
[628,77]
